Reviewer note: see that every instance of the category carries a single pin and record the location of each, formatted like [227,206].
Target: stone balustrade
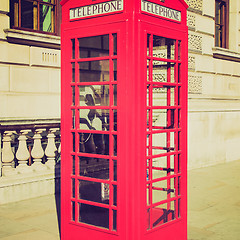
[29,148]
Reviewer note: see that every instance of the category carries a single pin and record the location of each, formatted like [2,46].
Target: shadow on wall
[58,190]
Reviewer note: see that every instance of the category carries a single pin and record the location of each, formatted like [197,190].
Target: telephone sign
[124,120]
[159,10]
[96,9]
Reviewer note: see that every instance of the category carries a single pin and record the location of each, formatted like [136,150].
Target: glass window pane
[148,195]
[94,119]
[73,211]
[115,145]
[115,95]
[73,165]
[94,143]
[148,44]
[92,191]
[162,119]
[94,167]
[179,49]
[73,119]
[115,170]
[179,207]
[149,95]
[114,44]
[163,96]
[163,47]
[162,143]
[94,71]
[46,14]
[179,74]
[163,72]
[114,195]
[148,219]
[179,163]
[163,190]
[73,141]
[114,220]
[163,214]
[94,95]
[179,186]
[73,72]
[114,69]
[115,120]
[162,166]
[94,215]
[148,70]
[105,192]
[73,48]
[73,95]
[27,14]
[97,46]
[73,187]
[49,1]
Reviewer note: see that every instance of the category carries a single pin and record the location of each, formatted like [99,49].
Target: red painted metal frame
[132,28]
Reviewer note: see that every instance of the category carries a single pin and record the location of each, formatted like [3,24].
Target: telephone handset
[91,119]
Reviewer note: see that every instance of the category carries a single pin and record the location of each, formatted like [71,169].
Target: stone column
[37,151]
[7,155]
[51,148]
[22,153]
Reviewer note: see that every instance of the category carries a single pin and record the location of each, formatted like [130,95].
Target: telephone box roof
[63,2]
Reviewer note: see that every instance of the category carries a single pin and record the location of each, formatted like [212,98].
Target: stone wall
[29,73]
[214,88]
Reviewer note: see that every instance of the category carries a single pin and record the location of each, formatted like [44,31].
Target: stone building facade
[30,98]
[29,72]
[214,86]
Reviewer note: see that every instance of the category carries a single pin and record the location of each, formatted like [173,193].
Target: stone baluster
[7,155]
[51,148]
[22,153]
[37,151]
[59,148]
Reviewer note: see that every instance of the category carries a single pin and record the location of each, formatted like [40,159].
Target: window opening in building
[38,15]
[221,23]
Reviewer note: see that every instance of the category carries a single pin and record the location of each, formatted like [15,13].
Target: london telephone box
[124,120]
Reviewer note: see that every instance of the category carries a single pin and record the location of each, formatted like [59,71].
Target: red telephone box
[124,120]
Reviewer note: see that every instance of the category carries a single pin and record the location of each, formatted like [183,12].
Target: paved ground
[214,209]
[214,203]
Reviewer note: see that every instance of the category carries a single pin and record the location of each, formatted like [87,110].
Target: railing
[29,148]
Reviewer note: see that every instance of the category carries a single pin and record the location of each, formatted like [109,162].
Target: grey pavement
[214,202]
[213,209]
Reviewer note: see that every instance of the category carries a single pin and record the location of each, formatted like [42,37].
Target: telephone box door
[166,104]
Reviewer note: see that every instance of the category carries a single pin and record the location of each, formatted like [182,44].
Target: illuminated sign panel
[96,9]
[161,11]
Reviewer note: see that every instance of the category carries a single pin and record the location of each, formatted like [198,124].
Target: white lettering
[96,9]
[159,10]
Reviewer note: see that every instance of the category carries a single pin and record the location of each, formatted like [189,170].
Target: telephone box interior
[124,120]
